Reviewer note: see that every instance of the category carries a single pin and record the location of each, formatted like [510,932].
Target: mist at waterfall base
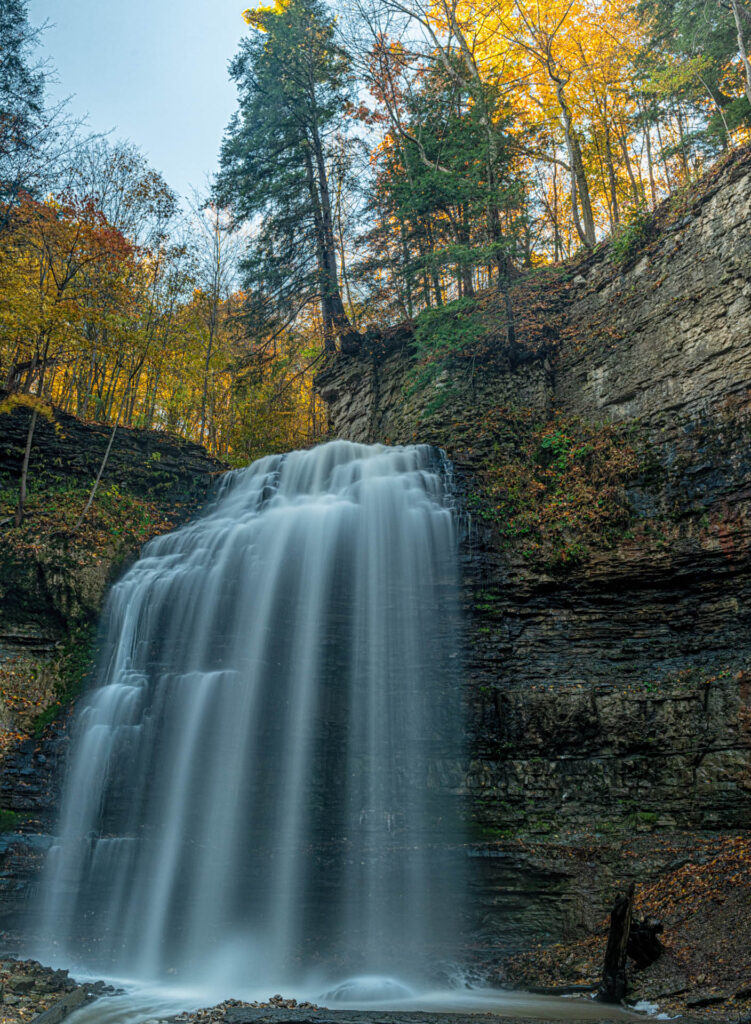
[261,788]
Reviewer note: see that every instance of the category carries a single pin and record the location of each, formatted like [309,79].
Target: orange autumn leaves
[568,71]
[114,331]
[58,256]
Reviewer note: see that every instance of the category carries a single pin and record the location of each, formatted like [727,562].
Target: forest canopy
[387,157]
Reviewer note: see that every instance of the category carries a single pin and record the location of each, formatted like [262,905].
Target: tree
[294,81]
[476,108]
[693,55]
[21,85]
[21,95]
[132,196]
[34,137]
[46,270]
[444,188]
[215,250]
[742,19]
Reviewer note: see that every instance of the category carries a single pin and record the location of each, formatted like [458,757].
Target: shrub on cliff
[556,490]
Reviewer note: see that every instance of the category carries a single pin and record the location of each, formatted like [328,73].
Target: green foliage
[76,660]
[643,820]
[554,490]
[630,237]
[115,518]
[19,400]
[36,691]
[9,820]
[702,40]
[21,98]
[443,335]
[445,179]
[294,82]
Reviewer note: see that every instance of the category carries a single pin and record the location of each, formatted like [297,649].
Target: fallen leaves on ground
[704,902]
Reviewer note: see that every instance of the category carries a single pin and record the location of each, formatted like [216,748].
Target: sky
[154,71]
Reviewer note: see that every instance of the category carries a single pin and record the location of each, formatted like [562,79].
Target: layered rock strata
[610,697]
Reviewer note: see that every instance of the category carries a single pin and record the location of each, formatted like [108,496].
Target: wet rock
[21,983]
[710,999]
[63,1007]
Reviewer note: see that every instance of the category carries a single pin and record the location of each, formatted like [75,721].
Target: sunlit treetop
[259,17]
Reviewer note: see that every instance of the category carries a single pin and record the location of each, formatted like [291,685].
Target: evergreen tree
[293,80]
[444,181]
[21,98]
[707,38]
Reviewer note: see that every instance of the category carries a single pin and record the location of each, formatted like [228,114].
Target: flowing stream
[262,787]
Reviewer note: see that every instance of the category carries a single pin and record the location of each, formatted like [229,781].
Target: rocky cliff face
[41,597]
[609,639]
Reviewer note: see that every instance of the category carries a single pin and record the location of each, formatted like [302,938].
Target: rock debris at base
[28,989]
[287,1011]
[219,1012]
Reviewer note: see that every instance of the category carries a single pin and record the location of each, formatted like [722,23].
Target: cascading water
[260,787]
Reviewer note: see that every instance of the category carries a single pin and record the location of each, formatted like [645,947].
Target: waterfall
[263,783]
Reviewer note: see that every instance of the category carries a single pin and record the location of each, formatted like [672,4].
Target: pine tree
[21,97]
[294,82]
[705,38]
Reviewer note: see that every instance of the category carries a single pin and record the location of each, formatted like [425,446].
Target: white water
[142,1007]
[260,788]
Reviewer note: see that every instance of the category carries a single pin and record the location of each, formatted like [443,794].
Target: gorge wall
[608,674]
[42,598]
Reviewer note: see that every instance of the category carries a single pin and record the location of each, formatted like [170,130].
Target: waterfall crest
[263,781]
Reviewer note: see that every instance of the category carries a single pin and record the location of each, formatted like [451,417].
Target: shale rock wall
[40,601]
[611,696]
[149,463]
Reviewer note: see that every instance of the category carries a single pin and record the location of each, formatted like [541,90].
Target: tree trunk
[435,276]
[590,236]
[684,150]
[347,333]
[579,186]
[742,47]
[18,519]
[557,247]
[637,188]
[11,381]
[329,337]
[206,367]
[504,271]
[644,946]
[409,302]
[111,390]
[664,159]
[102,464]
[615,208]
[613,985]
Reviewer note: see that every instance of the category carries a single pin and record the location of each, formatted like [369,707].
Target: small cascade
[262,787]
